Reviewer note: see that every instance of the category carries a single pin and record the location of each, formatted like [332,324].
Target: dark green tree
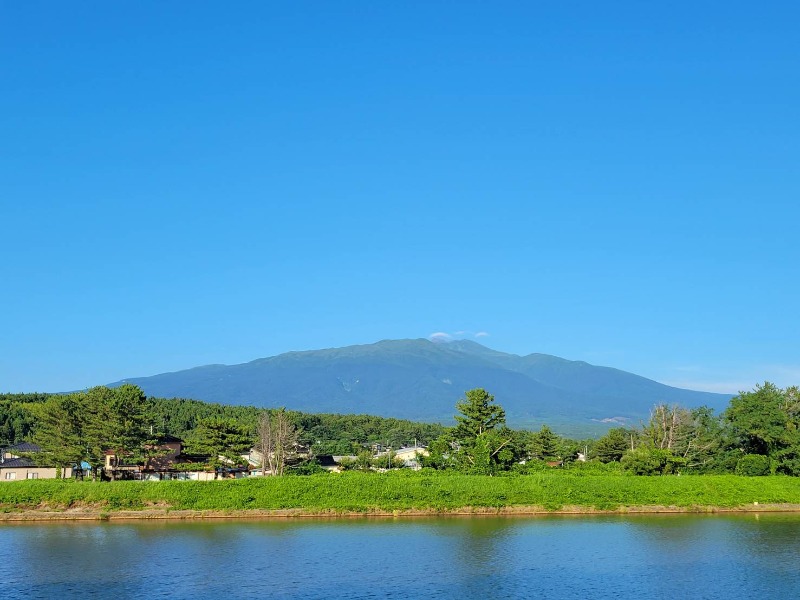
[479,414]
[545,445]
[222,440]
[788,457]
[118,420]
[441,454]
[16,416]
[760,420]
[59,431]
[706,447]
[480,442]
[613,444]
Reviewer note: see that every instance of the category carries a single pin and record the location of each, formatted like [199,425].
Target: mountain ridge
[420,379]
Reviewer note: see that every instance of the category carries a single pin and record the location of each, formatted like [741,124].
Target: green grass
[365,492]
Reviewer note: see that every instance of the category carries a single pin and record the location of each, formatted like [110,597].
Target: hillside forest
[757,434]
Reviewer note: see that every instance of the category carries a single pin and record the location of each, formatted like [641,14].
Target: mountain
[422,380]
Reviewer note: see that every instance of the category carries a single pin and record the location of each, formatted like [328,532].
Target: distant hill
[422,380]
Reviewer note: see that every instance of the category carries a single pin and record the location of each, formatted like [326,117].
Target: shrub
[651,461]
[788,462]
[531,466]
[594,467]
[753,465]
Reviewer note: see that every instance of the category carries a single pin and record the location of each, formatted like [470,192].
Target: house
[170,462]
[332,464]
[165,460]
[411,453]
[116,467]
[15,465]
[409,456]
[167,452]
[255,458]
[21,449]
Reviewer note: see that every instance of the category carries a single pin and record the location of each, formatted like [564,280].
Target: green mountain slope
[422,380]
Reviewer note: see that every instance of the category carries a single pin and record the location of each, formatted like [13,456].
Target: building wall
[19,473]
[411,453]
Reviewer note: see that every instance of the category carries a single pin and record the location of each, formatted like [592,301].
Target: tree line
[81,427]
[758,434]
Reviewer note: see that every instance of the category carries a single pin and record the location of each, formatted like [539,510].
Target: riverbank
[467,511]
[396,494]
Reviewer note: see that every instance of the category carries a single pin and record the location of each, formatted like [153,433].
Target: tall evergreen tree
[545,445]
[59,431]
[614,444]
[479,414]
[480,439]
[118,420]
[222,440]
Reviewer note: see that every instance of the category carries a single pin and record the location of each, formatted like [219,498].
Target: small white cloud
[440,336]
[443,336]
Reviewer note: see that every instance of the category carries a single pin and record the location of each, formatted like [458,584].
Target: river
[673,557]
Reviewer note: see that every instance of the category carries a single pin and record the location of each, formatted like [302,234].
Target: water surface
[649,557]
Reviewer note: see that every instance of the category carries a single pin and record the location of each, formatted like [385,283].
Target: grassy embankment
[403,492]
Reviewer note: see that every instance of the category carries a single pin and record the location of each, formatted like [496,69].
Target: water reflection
[553,557]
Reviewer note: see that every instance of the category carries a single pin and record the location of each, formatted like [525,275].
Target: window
[11,475]
[33,476]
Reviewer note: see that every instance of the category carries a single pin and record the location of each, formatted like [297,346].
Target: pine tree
[117,420]
[59,431]
[480,439]
[545,445]
[222,440]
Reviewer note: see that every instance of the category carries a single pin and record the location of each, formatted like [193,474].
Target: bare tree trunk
[277,441]
[265,441]
[670,428]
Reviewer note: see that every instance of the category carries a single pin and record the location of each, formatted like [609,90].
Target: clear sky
[186,183]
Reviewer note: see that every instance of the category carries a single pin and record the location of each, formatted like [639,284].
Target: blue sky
[192,183]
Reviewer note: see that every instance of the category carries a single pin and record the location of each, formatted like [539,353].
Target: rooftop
[17,463]
[24,447]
